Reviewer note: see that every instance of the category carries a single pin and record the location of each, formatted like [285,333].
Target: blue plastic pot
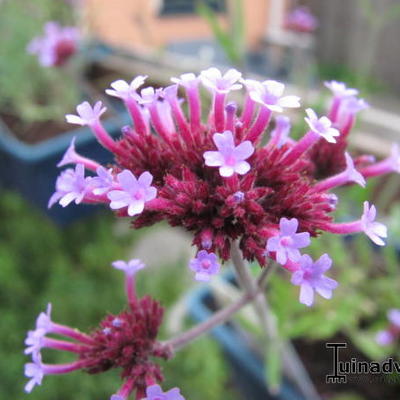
[31,169]
[247,367]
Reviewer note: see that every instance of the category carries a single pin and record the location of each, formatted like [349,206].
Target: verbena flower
[205,265]
[155,392]
[57,45]
[287,242]
[127,341]
[215,176]
[310,277]
[229,158]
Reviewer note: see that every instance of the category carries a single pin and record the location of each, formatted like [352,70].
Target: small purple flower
[394,317]
[87,115]
[340,90]
[186,80]
[43,321]
[70,156]
[215,81]
[134,192]
[229,158]
[56,46]
[352,105]
[205,265]
[269,94]
[351,173]
[384,338]
[301,19]
[374,230]
[34,341]
[281,132]
[71,185]
[394,159]
[287,242]
[149,96]
[35,372]
[238,196]
[103,182]
[155,392]
[322,126]
[310,277]
[130,268]
[123,89]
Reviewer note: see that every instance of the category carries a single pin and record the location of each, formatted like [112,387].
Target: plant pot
[31,169]
[247,366]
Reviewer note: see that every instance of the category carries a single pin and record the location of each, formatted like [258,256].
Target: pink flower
[301,19]
[310,277]
[269,94]
[56,46]
[287,242]
[130,268]
[340,90]
[322,126]
[229,158]
[205,265]
[35,372]
[103,182]
[123,89]
[215,81]
[87,115]
[374,230]
[134,194]
[71,185]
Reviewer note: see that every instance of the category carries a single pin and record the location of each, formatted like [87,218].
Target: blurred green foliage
[28,90]
[70,268]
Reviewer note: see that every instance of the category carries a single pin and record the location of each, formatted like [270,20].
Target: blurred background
[63,256]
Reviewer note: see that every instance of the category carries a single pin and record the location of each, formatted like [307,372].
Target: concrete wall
[345,37]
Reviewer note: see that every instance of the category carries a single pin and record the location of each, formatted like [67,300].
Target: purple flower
[70,156]
[149,96]
[87,115]
[56,46]
[287,242]
[281,132]
[205,265]
[130,268]
[394,317]
[322,126]
[71,185]
[384,338]
[269,94]
[43,321]
[301,19]
[351,173]
[35,372]
[394,159]
[103,182]
[352,105]
[374,230]
[310,277]
[215,81]
[34,341]
[123,89]
[229,158]
[155,392]
[134,192]
[340,90]
[186,80]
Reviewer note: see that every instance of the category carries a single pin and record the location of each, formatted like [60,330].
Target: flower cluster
[127,341]
[220,179]
[56,46]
